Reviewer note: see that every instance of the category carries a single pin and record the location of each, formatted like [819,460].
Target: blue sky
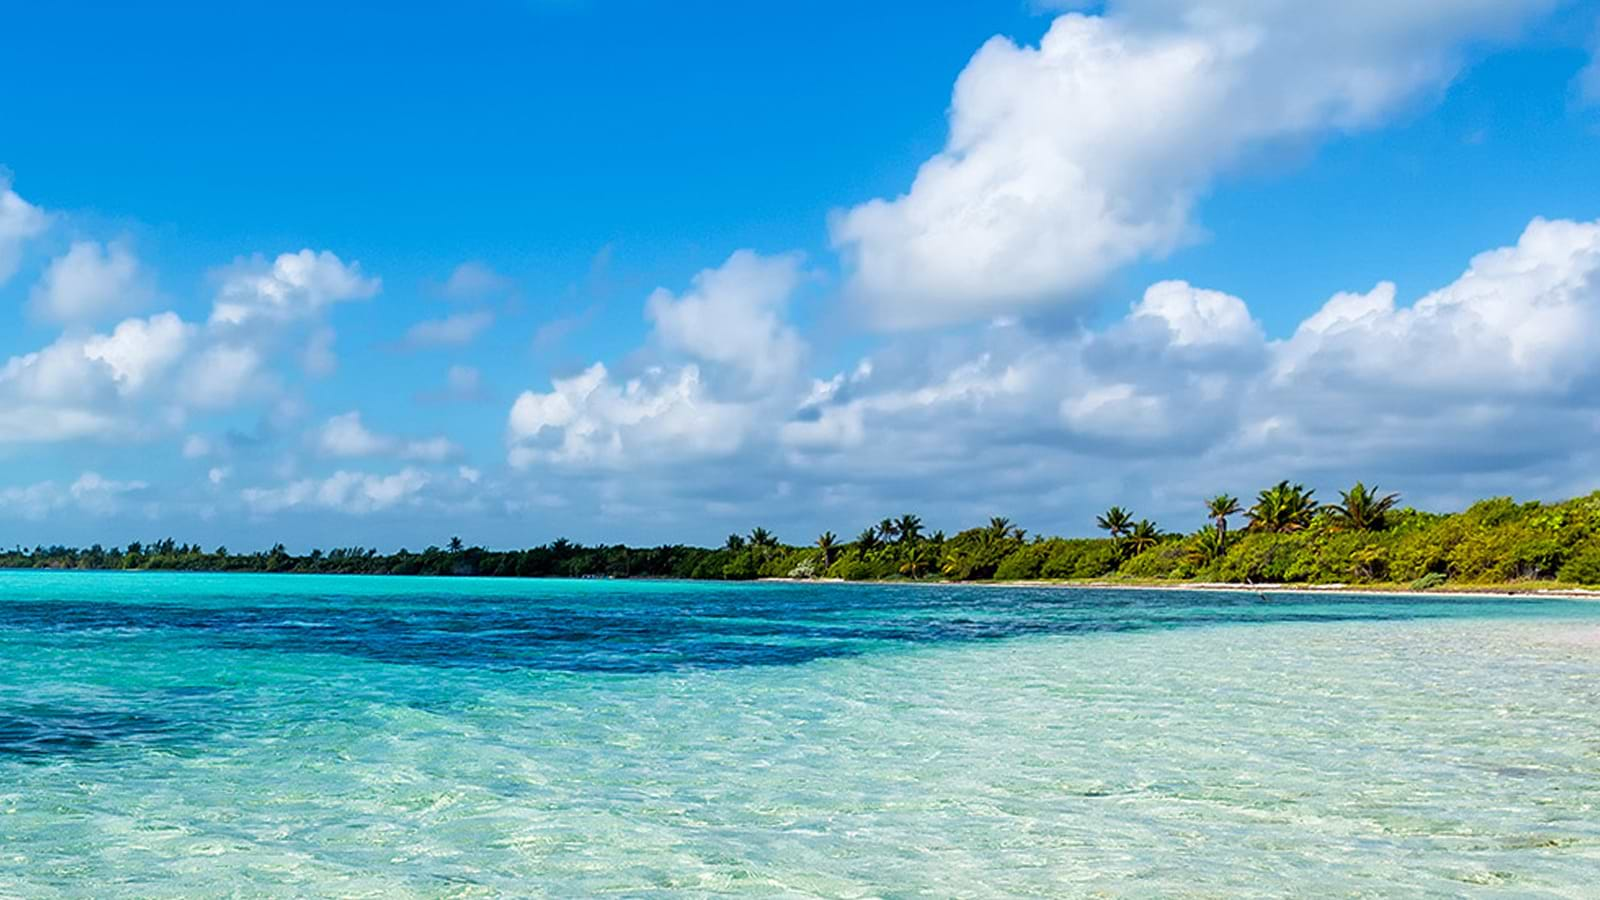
[344,275]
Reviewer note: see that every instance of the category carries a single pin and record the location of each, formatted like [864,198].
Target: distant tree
[827,542]
[735,543]
[1116,521]
[909,528]
[867,541]
[1219,508]
[917,560]
[1283,508]
[1207,546]
[1360,509]
[887,530]
[456,545]
[1144,535]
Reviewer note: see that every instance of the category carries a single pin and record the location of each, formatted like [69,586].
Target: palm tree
[1219,508]
[867,540]
[1360,509]
[887,530]
[1283,508]
[918,558]
[826,543]
[909,528]
[1208,546]
[1001,530]
[1143,536]
[455,545]
[1116,521]
[761,537]
[735,543]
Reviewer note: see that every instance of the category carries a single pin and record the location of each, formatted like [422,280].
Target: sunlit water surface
[183,735]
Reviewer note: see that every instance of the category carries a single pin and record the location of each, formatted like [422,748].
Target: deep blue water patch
[39,732]
[650,627]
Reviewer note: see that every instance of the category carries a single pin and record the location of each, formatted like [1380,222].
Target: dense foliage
[1287,537]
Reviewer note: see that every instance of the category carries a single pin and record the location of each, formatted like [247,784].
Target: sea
[210,735]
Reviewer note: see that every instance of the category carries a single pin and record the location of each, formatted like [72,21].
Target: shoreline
[1466,591]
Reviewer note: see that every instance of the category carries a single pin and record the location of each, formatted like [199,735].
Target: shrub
[1370,563]
[740,568]
[1429,581]
[854,570]
[1168,559]
[1260,557]
[1023,565]
[1584,566]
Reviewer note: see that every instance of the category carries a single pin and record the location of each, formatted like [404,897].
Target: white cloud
[89,493]
[464,381]
[138,350]
[294,286]
[473,280]
[20,221]
[1193,317]
[88,282]
[1588,80]
[733,315]
[661,417]
[222,375]
[1488,381]
[99,495]
[450,331]
[318,359]
[31,424]
[351,493]
[80,387]
[346,436]
[1520,319]
[197,446]
[1069,160]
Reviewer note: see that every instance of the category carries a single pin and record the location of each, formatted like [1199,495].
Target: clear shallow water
[179,735]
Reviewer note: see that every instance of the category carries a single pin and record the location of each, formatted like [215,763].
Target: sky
[380,274]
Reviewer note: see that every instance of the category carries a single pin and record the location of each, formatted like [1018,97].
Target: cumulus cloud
[139,350]
[1488,378]
[198,446]
[145,376]
[89,493]
[1071,159]
[293,286]
[733,315]
[1521,319]
[351,493]
[77,386]
[660,417]
[318,359]
[451,331]
[20,221]
[88,282]
[223,374]
[346,436]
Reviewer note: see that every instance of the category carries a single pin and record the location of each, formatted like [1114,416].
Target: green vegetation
[1287,537]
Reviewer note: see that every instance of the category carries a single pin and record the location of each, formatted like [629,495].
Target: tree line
[1285,536]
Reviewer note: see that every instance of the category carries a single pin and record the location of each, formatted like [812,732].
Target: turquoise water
[196,735]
